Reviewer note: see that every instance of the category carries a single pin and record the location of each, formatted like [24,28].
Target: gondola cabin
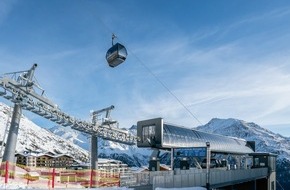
[116,55]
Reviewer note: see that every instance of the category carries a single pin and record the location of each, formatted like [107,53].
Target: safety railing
[47,178]
[192,178]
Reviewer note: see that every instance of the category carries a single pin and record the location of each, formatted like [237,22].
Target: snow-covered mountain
[266,141]
[68,141]
[131,155]
[65,140]
[33,137]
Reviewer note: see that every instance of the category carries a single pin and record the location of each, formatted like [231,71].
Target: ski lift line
[165,86]
[279,184]
[105,26]
[150,71]
[28,99]
[160,82]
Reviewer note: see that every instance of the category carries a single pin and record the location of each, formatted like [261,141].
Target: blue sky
[224,59]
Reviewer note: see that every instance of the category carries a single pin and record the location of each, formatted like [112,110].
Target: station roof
[178,137]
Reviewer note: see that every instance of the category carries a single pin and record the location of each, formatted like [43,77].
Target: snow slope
[68,141]
[65,140]
[33,137]
[131,155]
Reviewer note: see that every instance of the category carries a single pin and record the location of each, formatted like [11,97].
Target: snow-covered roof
[31,173]
[104,161]
[38,154]
[184,137]
[139,169]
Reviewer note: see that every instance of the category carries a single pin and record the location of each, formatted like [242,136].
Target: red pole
[6,171]
[91,179]
[53,175]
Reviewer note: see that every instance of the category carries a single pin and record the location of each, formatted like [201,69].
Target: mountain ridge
[266,141]
[66,140]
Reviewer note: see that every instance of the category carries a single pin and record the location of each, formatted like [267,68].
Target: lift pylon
[25,93]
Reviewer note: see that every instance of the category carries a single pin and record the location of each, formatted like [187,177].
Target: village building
[111,165]
[47,159]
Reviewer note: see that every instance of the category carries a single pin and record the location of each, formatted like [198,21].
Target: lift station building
[252,170]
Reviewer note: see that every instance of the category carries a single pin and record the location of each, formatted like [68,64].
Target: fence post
[53,177]
[6,171]
[48,183]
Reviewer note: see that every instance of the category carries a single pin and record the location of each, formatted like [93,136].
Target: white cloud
[213,71]
[228,80]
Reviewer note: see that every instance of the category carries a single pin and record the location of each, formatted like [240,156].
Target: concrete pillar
[9,152]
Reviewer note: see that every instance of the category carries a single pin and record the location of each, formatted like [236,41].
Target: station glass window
[256,162]
[148,132]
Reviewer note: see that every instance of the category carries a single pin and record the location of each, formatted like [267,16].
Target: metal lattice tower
[25,93]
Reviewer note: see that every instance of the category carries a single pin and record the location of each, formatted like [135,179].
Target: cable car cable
[165,86]
[149,70]
[162,83]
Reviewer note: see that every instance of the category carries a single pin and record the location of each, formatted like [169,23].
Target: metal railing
[218,177]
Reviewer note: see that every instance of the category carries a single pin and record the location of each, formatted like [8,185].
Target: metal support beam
[21,89]
[208,165]
[94,152]
[22,92]
[9,152]
[172,159]
[94,142]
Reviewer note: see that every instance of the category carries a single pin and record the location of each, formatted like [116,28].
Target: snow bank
[13,186]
